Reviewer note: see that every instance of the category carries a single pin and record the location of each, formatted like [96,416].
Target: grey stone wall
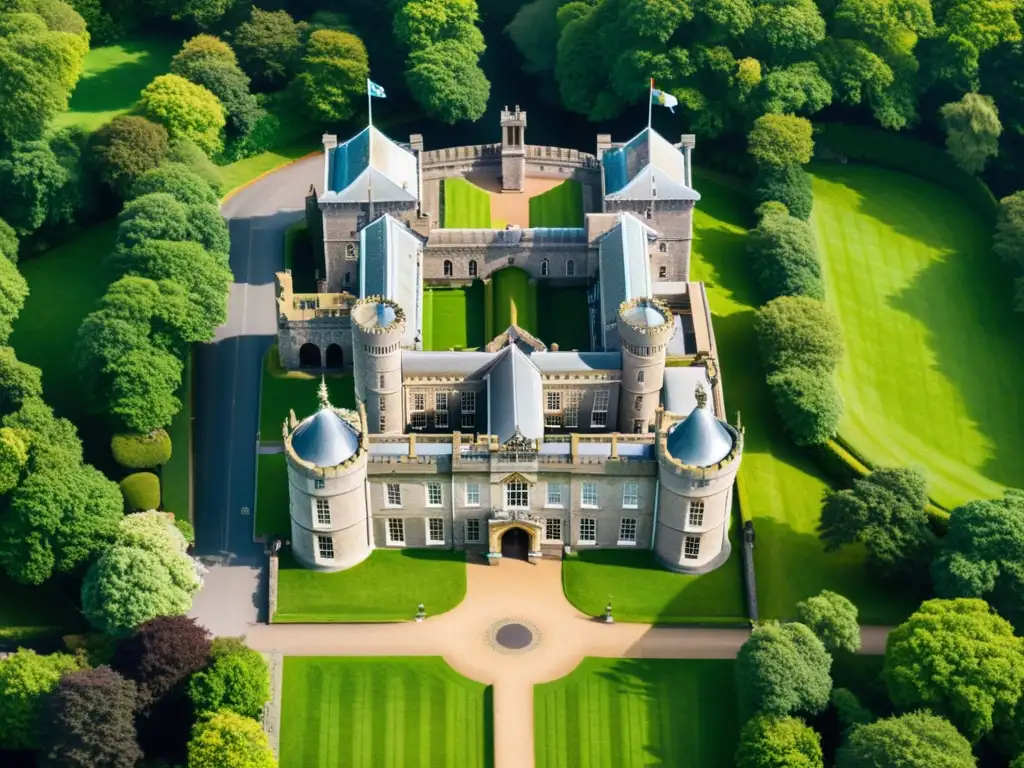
[673,221]
[323,332]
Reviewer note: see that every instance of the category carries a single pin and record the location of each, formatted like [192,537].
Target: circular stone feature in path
[513,636]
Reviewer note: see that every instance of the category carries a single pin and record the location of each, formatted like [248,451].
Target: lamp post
[608,619]
[421,613]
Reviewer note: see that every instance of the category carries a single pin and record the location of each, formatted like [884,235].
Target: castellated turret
[377,328]
[326,457]
[645,329]
[698,458]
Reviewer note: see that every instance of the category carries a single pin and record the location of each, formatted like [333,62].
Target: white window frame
[631,495]
[441,419]
[419,401]
[395,524]
[691,548]
[472,494]
[319,484]
[553,400]
[552,421]
[515,491]
[473,523]
[322,509]
[554,500]
[418,420]
[325,543]
[695,514]
[393,495]
[627,532]
[553,525]
[435,496]
[591,524]
[588,495]
[433,523]
[467,402]
[600,409]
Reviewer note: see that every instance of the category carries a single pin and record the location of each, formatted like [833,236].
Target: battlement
[303,307]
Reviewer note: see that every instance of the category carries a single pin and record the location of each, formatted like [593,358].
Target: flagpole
[369,104]
[650,102]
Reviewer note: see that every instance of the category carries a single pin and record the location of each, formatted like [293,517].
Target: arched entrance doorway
[515,543]
[335,357]
[310,357]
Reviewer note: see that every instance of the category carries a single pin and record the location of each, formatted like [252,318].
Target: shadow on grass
[488,727]
[118,87]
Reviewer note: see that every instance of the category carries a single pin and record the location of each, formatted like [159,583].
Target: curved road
[226,391]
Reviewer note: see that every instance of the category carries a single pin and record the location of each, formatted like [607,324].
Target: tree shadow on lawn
[119,87]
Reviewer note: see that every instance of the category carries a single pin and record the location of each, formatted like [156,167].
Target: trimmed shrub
[141,491]
[178,181]
[798,331]
[790,186]
[784,255]
[141,451]
[808,403]
[125,148]
[237,679]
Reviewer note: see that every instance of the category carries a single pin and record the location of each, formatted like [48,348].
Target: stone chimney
[513,150]
[687,142]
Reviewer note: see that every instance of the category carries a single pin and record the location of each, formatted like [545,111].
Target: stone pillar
[513,150]
[688,141]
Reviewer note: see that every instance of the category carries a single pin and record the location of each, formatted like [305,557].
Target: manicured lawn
[175,478]
[453,318]
[637,713]
[642,590]
[113,78]
[297,390]
[933,366]
[241,172]
[515,300]
[466,206]
[563,317]
[558,207]
[383,713]
[272,496]
[781,487]
[387,586]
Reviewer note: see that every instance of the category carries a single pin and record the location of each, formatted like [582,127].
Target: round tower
[645,329]
[326,457]
[698,458]
[377,328]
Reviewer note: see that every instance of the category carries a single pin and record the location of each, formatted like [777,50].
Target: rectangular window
[394,495]
[433,494]
[599,415]
[517,496]
[323,512]
[396,530]
[631,495]
[419,401]
[638,403]
[472,529]
[571,416]
[419,420]
[554,401]
[435,530]
[552,420]
[627,531]
[599,419]
[468,402]
[696,514]
[383,404]
[381,381]
[325,547]
[469,421]
[640,377]
[440,401]
[319,484]
[554,495]
[472,494]
[553,529]
[588,495]
[588,530]
[691,547]
[441,419]
[383,423]
[638,426]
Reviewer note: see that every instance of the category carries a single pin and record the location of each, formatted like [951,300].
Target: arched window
[545,268]
[662,247]
[638,403]
[570,268]
[472,268]
[662,271]
[447,268]
[639,377]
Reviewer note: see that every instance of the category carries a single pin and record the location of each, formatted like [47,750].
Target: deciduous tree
[13,458]
[18,381]
[186,110]
[791,186]
[126,148]
[333,74]
[8,242]
[52,442]
[448,82]
[917,738]
[210,62]
[783,669]
[179,182]
[798,331]
[227,740]
[784,256]
[269,46]
[237,680]
[972,130]
[769,741]
[833,619]
[776,141]
[808,403]
[42,183]
[25,677]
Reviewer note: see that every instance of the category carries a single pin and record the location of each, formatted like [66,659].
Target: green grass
[466,206]
[642,590]
[515,300]
[242,172]
[933,366]
[781,486]
[175,478]
[387,586]
[383,713]
[27,611]
[284,390]
[558,207]
[114,77]
[638,713]
[563,317]
[272,496]
[453,318]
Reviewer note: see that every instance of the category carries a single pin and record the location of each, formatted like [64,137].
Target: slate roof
[325,439]
[680,384]
[644,168]
[624,266]
[390,266]
[514,397]
[370,163]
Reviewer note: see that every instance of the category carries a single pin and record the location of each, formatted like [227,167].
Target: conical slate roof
[325,439]
[699,440]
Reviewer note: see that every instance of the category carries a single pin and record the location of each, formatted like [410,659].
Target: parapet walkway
[515,592]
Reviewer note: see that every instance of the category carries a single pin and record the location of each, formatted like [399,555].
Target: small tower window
[350,251]
[648,213]
[381,381]
[638,403]
[639,377]
[570,268]
[662,271]
[348,278]
[472,268]
[545,268]
[447,268]
[662,247]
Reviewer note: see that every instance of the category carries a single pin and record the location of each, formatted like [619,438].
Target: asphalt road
[227,391]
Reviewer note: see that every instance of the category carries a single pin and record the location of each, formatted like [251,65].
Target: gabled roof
[644,168]
[370,164]
[390,266]
[516,335]
[624,266]
[515,397]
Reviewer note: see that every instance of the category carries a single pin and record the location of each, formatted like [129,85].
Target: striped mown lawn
[563,317]
[453,318]
[382,713]
[933,367]
[558,207]
[465,205]
[637,713]
[515,300]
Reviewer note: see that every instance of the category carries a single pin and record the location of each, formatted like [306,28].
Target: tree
[782,669]
[784,256]
[207,227]
[200,50]
[18,381]
[788,26]
[25,677]
[808,403]
[210,62]
[914,739]
[849,711]
[884,511]
[160,656]
[58,520]
[833,619]
[966,30]
[156,216]
[790,185]
[797,88]
[768,741]
[798,331]
[141,451]
[52,442]
[192,157]
[13,292]
[8,242]
[1009,237]
[776,141]
[333,74]
[236,680]
[959,659]
[186,110]
[448,82]
[972,130]
[126,148]
[88,721]
[179,182]
[227,740]
[13,458]
[144,386]
[41,182]
[269,46]
[535,30]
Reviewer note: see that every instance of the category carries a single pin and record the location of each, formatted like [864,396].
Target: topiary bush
[141,491]
[141,451]
[808,403]
[790,186]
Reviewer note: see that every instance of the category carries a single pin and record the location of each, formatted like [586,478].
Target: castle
[517,448]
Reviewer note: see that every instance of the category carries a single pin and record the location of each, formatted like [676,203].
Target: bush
[227,739]
[141,451]
[237,679]
[790,185]
[192,157]
[778,742]
[784,255]
[125,148]
[808,403]
[8,242]
[798,331]
[776,141]
[179,182]
[141,491]
[914,739]
[782,669]
[25,679]
[186,110]
[151,217]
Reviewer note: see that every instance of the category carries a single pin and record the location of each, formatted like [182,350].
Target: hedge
[141,491]
[141,451]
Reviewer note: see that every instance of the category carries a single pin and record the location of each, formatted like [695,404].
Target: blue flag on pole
[375,90]
[663,99]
